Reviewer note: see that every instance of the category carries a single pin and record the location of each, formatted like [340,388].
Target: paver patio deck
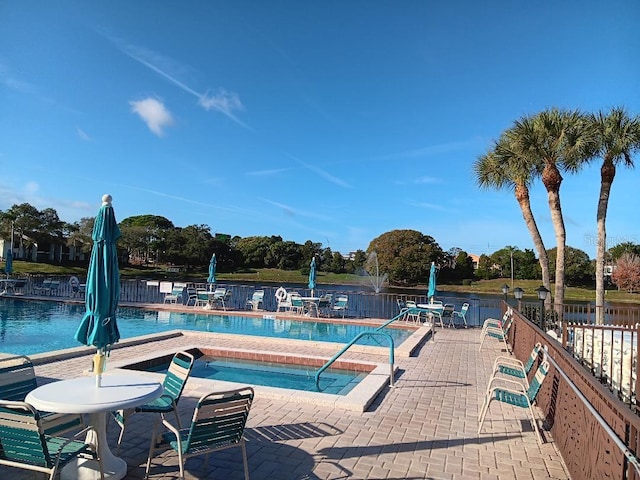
[423,428]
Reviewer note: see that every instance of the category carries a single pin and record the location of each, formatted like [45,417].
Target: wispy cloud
[153,113]
[188,200]
[294,212]
[471,143]
[30,193]
[12,82]
[83,135]
[429,206]
[224,101]
[320,172]
[266,173]
[419,181]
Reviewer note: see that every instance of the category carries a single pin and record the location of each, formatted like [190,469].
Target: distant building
[349,256]
[475,259]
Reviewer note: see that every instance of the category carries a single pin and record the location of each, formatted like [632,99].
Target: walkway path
[423,428]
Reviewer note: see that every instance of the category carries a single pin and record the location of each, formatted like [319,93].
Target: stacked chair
[498,331]
[514,368]
[517,395]
[509,381]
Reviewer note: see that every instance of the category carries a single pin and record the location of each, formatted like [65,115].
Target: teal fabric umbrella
[8,263]
[99,326]
[212,269]
[312,275]
[431,292]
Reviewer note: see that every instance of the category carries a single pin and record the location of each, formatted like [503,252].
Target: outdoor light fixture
[542,295]
[505,291]
[518,293]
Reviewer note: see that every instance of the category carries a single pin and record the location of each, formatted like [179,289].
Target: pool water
[271,374]
[28,326]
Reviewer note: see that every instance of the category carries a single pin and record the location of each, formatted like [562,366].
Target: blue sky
[328,121]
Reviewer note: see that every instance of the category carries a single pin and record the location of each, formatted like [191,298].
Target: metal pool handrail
[353,341]
[402,314]
[388,322]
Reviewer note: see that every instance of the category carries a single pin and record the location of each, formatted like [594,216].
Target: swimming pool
[291,376]
[349,384]
[29,326]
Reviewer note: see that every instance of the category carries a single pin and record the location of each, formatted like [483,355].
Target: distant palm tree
[555,139]
[618,137]
[501,167]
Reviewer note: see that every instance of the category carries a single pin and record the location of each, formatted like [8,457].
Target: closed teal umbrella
[8,263]
[212,269]
[431,292]
[312,275]
[99,326]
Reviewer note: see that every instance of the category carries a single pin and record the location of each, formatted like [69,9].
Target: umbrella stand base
[115,468]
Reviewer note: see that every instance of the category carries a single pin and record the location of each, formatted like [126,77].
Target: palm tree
[501,168]
[555,139]
[618,137]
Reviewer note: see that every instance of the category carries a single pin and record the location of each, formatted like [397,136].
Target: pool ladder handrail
[352,342]
[403,313]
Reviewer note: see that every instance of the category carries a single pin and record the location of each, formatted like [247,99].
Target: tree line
[404,256]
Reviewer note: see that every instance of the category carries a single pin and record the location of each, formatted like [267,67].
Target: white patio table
[80,395]
[311,303]
[433,309]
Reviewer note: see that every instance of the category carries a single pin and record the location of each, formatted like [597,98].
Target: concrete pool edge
[357,400]
[405,350]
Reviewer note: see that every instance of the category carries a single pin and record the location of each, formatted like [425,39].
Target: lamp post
[542,296]
[518,293]
[505,291]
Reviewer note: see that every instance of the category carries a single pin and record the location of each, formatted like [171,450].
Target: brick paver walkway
[423,428]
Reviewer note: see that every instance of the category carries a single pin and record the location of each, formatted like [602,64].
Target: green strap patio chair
[412,314]
[462,313]
[517,396]
[218,423]
[496,323]
[499,333]
[255,302]
[176,294]
[173,385]
[23,443]
[514,368]
[340,305]
[297,305]
[17,379]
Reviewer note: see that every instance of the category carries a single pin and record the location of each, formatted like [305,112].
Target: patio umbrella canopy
[312,275]
[212,269]
[431,292]
[8,263]
[99,326]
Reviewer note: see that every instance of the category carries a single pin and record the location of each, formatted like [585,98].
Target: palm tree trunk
[552,179]
[522,195]
[607,174]
[561,242]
